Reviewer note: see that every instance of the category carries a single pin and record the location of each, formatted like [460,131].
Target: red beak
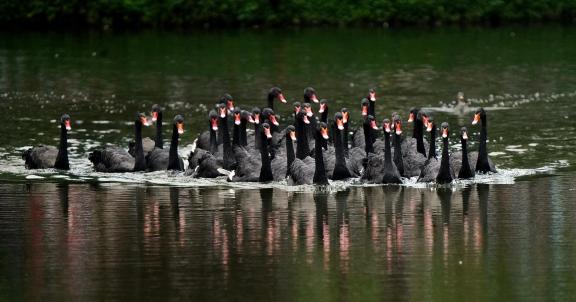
[267,132]
[465,135]
[180,127]
[309,111]
[445,132]
[67,125]
[281,98]
[340,124]
[426,122]
[230,105]
[314,98]
[293,135]
[344,117]
[237,119]
[373,125]
[273,120]
[306,120]
[476,119]
[257,118]
[398,128]
[364,110]
[154,116]
[387,127]
[411,118]
[214,123]
[324,132]
[223,112]
[144,121]
[373,96]
[429,127]
[322,108]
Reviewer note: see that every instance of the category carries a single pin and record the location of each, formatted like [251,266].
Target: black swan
[483,163]
[168,159]
[147,143]
[310,95]
[228,161]
[302,172]
[341,170]
[275,93]
[412,148]
[204,163]
[282,161]
[430,168]
[227,101]
[382,170]
[372,104]
[266,166]
[398,158]
[116,159]
[43,157]
[302,144]
[307,108]
[460,163]
[297,108]
[323,110]
[445,174]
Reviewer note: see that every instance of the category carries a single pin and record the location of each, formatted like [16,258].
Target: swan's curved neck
[243,137]
[271,101]
[444,175]
[62,162]
[387,150]
[324,116]
[266,169]
[345,139]
[213,140]
[236,139]
[302,147]
[290,156]
[368,141]
[398,153]
[173,159]
[372,108]
[140,161]
[432,151]
[340,168]
[320,177]
[159,140]
[419,135]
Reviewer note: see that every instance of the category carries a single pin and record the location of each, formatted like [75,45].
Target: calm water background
[72,236]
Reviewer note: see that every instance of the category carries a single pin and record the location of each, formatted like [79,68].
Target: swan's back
[112,159]
[41,157]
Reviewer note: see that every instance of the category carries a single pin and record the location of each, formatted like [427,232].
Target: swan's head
[372,95]
[141,118]
[65,121]
[413,114]
[213,117]
[156,110]
[222,110]
[179,123]
[364,103]
[297,107]
[268,114]
[276,93]
[422,116]
[386,125]
[237,116]
[323,106]
[480,114]
[430,126]
[345,115]
[227,101]
[323,129]
[310,95]
[266,130]
[291,132]
[397,124]
[445,130]
[307,108]
[256,115]
[246,116]
[303,116]
[339,120]
[464,133]
[371,122]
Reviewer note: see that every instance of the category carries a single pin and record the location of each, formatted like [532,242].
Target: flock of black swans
[312,150]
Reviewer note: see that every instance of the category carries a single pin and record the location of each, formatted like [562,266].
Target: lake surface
[82,235]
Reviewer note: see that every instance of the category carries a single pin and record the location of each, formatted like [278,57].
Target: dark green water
[86,236]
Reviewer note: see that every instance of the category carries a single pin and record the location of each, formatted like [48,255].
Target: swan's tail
[95,157]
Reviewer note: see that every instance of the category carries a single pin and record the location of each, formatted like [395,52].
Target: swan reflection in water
[224,232]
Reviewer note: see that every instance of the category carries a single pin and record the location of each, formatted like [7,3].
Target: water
[148,236]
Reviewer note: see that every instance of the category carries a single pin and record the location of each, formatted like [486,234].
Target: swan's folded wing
[302,173]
